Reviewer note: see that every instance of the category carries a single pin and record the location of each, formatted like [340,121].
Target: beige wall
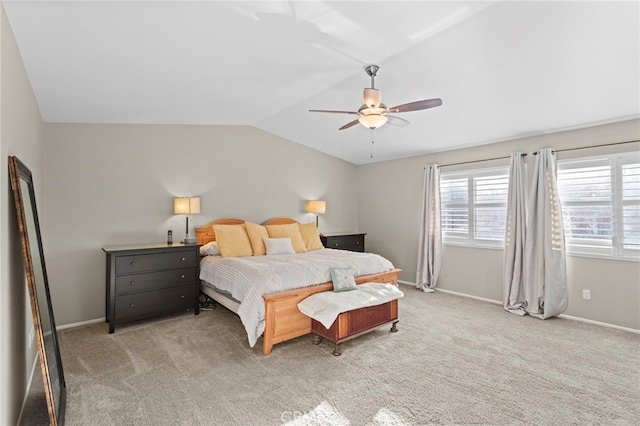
[22,135]
[389,206]
[114,184]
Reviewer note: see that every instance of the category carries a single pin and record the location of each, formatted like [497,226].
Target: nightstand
[149,280]
[344,241]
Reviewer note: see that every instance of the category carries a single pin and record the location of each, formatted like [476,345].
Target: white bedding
[248,278]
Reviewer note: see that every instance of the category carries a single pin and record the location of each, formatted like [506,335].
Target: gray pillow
[278,245]
[343,279]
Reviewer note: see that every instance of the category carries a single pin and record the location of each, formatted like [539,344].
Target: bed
[271,309]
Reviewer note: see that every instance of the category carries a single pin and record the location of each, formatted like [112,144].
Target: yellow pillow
[291,230]
[310,236]
[256,234]
[233,240]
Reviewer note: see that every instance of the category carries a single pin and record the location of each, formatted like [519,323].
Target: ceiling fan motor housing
[372,97]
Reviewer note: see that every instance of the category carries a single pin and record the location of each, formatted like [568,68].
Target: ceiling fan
[373,113]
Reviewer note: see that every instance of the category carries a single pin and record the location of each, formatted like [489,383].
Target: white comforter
[248,278]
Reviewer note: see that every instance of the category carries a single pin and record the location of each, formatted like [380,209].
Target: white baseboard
[497,302]
[469,296]
[602,324]
[78,324]
[455,293]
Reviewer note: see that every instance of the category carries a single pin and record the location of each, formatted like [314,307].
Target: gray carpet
[453,361]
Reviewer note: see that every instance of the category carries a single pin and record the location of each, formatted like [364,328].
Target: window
[600,199]
[473,206]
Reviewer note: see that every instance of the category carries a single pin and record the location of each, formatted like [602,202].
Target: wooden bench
[355,323]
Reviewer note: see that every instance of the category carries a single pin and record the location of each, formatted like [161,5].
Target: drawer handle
[132,283]
[183,258]
[358,242]
[182,276]
[131,305]
[182,296]
[336,244]
[133,263]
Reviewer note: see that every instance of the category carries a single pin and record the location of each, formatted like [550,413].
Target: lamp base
[190,240]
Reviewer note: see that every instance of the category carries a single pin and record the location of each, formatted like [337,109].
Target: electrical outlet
[31,337]
[586,294]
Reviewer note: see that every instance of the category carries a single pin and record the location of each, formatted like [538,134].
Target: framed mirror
[36,276]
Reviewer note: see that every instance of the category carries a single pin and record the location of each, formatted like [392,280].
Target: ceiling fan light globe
[372,97]
[372,121]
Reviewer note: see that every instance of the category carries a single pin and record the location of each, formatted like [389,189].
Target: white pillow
[210,249]
[278,245]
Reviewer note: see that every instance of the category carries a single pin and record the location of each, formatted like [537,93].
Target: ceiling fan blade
[417,105]
[349,124]
[333,112]
[396,121]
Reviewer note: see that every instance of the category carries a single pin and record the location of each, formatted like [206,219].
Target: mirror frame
[18,172]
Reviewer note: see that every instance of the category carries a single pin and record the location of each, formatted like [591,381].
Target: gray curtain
[545,277]
[430,239]
[514,239]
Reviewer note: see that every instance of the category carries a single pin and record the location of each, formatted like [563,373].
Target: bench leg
[337,351]
[393,327]
[317,339]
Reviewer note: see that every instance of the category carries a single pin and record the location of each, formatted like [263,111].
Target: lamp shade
[316,206]
[186,205]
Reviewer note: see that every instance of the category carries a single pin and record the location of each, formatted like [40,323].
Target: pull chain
[372,142]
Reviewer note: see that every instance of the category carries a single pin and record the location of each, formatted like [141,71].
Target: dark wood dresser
[344,241]
[149,280]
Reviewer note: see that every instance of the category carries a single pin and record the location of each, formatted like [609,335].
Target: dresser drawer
[139,305]
[154,280]
[345,242]
[152,262]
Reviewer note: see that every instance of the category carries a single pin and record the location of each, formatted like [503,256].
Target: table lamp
[316,207]
[187,205]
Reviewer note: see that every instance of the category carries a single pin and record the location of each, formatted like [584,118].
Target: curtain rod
[478,161]
[591,146]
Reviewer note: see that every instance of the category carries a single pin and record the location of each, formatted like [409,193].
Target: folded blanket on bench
[326,306]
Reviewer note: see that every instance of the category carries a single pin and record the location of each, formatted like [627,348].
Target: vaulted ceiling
[503,69]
